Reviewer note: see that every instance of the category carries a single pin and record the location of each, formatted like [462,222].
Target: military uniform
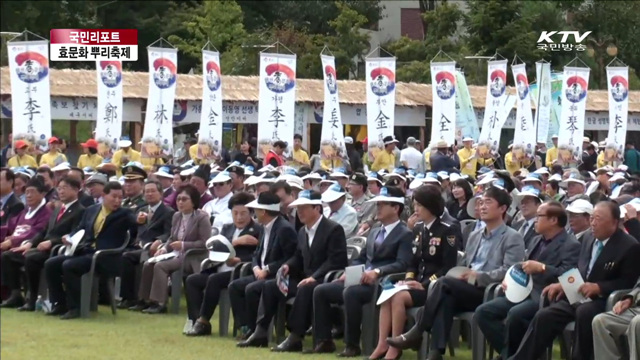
[133,171]
[365,209]
[134,203]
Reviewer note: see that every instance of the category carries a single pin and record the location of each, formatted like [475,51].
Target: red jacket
[273,155]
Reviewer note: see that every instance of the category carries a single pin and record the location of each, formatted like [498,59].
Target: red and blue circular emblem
[179,110]
[280,78]
[522,85]
[445,85]
[331,79]
[111,73]
[576,89]
[619,88]
[498,83]
[383,81]
[164,74]
[213,76]
[32,66]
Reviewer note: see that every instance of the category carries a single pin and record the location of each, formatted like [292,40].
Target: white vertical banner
[574,99]
[495,101]
[332,137]
[157,136]
[276,102]
[466,121]
[210,132]
[443,86]
[543,101]
[110,106]
[618,86]
[30,91]
[524,140]
[380,81]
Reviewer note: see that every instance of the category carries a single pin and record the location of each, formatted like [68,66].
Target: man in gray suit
[610,327]
[530,199]
[579,220]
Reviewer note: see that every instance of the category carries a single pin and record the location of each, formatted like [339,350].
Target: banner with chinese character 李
[381,101]
[524,140]
[495,101]
[210,133]
[157,137]
[443,85]
[110,106]
[542,99]
[574,99]
[30,91]
[332,137]
[466,121]
[618,86]
[277,100]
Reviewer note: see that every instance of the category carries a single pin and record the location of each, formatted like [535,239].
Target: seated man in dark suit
[388,251]
[530,199]
[106,226]
[10,204]
[154,227]
[84,198]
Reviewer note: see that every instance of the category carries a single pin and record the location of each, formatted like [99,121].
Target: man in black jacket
[10,205]
[84,198]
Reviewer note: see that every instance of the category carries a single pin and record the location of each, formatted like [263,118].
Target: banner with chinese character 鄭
[276,102]
[466,121]
[332,137]
[495,101]
[574,99]
[443,86]
[110,106]
[157,137]
[30,91]
[210,133]
[542,99]
[380,81]
[524,140]
[618,86]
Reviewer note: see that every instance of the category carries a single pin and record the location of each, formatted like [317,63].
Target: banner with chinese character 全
[618,86]
[332,137]
[30,91]
[574,99]
[157,137]
[277,98]
[381,101]
[443,86]
[466,121]
[495,101]
[542,100]
[524,140]
[110,106]
[210,133]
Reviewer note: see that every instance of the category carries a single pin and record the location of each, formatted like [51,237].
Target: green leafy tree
[349,43]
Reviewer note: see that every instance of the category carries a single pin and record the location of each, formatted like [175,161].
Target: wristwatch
[377,271]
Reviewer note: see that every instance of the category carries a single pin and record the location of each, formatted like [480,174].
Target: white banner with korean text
[524,140]
[277,99]
[618,86]
[443,85]
[380,81]
[210,132]
[542,100]
[332,136]
[466,120]
[110,106]
[30,91]
[157,136]
[496,97]
[574,99]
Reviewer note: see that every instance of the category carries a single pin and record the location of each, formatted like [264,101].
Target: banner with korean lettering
[542,99]
[30,91]
[443,86]
[332,137]
[110,106]
[495,101]
[157,137]
[210,133]
[574,99]
[524,139]
[466,121]
[277,98]
[380,81]
[618,86]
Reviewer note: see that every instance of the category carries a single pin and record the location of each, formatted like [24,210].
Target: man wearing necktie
[530,200]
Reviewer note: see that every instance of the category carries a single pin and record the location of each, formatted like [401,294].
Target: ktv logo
[546,40]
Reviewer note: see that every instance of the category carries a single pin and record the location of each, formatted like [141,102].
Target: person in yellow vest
[300,157]
[552,153]
[510,163]
[468,158]
[21,158]
[90,158]
[124,155]
[386,159]
[330,156]
[53,157]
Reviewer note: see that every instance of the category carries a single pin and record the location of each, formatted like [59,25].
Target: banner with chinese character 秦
[466,121]
[524,140]
[30,91]
[277,98]
[618,86]
[574,99]
[443,86]
[110,106]
[157,137]
[210,133]
[542,99]
[332,137]
[495,101]
[381,101]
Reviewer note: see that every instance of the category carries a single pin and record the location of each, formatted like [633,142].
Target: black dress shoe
[71,314]
[410,339]
[323,347]
[27,307]
[254,341]
[156,309]
[288,345]
[139,306]
[13,302]
[57,310]
[350,351]
[125,304]
[200,329]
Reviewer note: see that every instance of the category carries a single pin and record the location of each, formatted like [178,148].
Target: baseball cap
[91,143]
[580,206]
[389,194]
[21,144]
[54,140]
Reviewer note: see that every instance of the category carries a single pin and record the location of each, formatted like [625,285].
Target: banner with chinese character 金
[110,106]
[443,86]
[157,137]
[524,140]
[30,91]
[332,137]
[277,98]
[210,133]
[381,101]
[495,101]
[574,99]
[466,121]
[618,86]
[542,99]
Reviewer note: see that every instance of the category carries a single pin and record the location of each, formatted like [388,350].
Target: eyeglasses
[183,198]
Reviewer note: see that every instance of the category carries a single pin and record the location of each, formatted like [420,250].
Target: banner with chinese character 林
[30,91]
[332,137]
[466,121]
[157,137]
[542,100]
[110,106]
[524,139]
[618,86]
[495,101]
[443,86]
[277,98]
[210,133]
[574,99]
[380,81]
